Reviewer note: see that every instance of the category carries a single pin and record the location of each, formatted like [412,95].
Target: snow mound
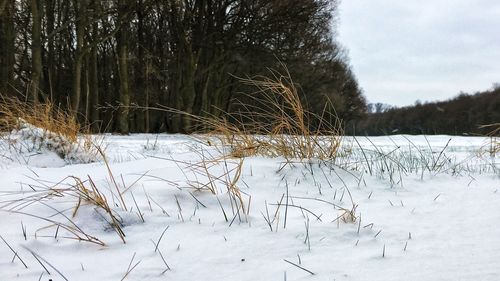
[42,148]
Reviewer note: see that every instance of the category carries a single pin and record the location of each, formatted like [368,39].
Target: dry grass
[277,124]
[81,192]
[42,195]
[494,135]
[45,115]
[217,175]
[494,146]
[48,126]
[94,197]
[273,122]
[77,191]
[226,174]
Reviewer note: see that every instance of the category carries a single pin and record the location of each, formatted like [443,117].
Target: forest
[129,66]
[466,114]
[112,63]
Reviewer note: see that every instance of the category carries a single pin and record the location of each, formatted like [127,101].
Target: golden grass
[60,128]
[95,198]
[45,115]
[272,123]
[277,124]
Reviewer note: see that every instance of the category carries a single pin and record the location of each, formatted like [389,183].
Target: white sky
[403,51]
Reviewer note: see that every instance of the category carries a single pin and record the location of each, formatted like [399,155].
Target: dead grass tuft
[47,116]
[80,193]
[44,125]
[277,123]
[94,197]
[272,122]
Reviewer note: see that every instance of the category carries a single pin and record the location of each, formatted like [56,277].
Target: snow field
[420,214]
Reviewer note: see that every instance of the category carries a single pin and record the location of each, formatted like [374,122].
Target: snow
[429,209]
[42,148]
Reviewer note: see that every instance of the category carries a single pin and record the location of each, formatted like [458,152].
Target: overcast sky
[403,51]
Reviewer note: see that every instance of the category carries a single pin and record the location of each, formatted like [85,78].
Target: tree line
[463,115]
[111,62]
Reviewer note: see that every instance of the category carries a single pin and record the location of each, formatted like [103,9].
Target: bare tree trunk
[94,91]
[80,7]
[94,82]
[124,97]
[146,99]
[7,38]
[50,12]
[184,68]
[36,50]
[188,91]
[142,68]
[86,88]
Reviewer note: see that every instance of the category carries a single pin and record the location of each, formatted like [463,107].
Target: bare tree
[80,14]
[122,47]
[7,37]
[36,50]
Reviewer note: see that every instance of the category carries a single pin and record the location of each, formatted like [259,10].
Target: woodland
[465,114]
[148,65]
[129,66]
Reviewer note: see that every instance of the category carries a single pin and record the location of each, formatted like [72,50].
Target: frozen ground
[426,209]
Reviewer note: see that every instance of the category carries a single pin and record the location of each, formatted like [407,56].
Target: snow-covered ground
[389,208]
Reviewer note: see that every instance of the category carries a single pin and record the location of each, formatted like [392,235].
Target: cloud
[428,50]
